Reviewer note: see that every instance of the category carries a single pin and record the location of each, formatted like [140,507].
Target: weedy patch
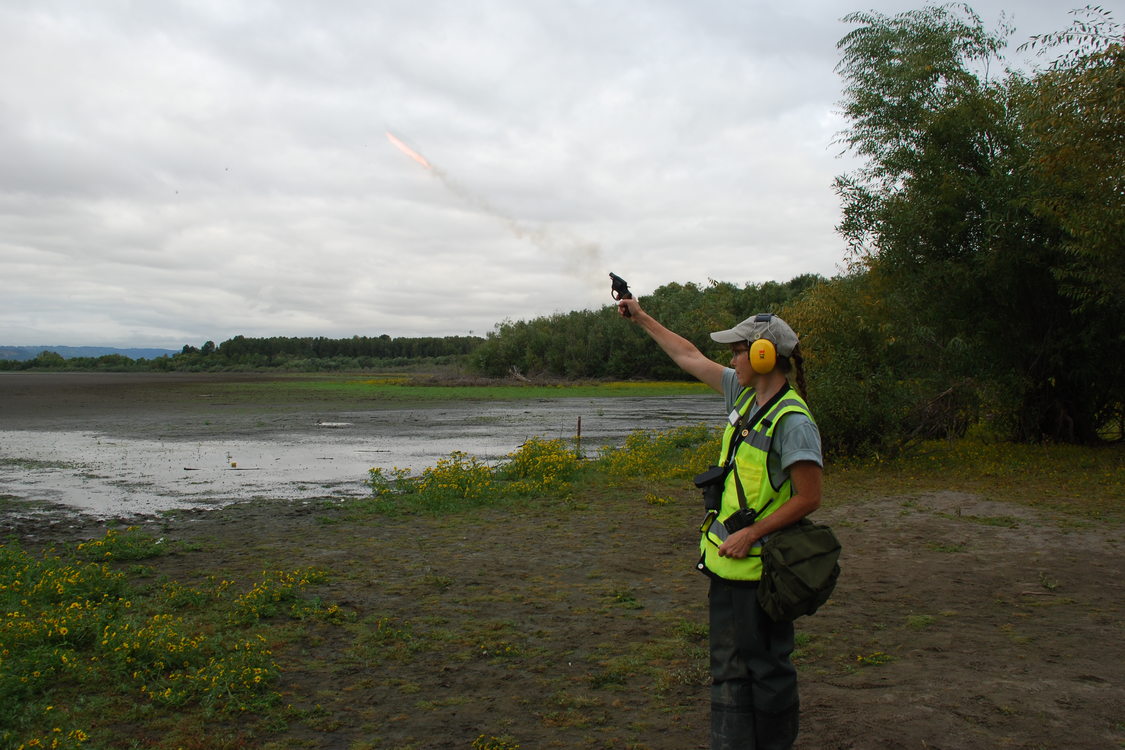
[920,622]
[277,591]
[567,699]
[625,598]
[696,675]
[806,648]
[488,742]
[609,677]
[675,454]
[436,582]
[79,642]
[948,548]
[540,468]
[130,544]
[499,650]
[385,638]
[693,632]
[873,659]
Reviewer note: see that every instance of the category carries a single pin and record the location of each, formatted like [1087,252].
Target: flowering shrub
[678,453]
[459,477]
[546,467]
[394,482]
[438,488]
[539,466]
[266,597]
[131,544]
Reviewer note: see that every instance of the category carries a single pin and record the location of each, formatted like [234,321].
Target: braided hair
[797,363]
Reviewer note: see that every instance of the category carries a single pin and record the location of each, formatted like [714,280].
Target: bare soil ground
[959,621]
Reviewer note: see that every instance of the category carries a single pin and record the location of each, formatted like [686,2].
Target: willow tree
[1075,119]
[945,207]
[1076,116]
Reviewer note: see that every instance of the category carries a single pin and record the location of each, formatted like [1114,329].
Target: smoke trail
[584,256]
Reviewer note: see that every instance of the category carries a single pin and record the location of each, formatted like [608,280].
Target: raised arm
[683,352]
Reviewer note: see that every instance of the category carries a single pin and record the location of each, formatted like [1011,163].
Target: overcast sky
[176,172]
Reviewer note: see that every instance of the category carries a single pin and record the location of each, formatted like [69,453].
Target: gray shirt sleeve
[731,388]
[796,438]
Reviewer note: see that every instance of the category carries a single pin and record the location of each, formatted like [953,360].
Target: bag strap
[742,497]
[744,425]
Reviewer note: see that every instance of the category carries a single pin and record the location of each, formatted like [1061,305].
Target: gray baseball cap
[763,326]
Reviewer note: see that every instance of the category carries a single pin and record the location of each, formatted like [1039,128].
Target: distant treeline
[70,352]
[600,344]
[280,350]
[309,354]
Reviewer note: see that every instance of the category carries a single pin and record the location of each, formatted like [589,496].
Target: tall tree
[1076,116]
[944,208]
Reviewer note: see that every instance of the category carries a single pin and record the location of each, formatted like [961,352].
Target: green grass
[920,622]
[1076,483]
[396,390]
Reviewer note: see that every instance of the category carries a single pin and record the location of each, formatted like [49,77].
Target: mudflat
[959,621]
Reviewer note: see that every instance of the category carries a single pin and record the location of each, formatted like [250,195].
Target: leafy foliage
[1076,116]
[595,343]
[856,353]
[951,216]
[675,454]
[542,468]
[461,480]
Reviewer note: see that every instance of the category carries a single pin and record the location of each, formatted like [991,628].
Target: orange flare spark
[408,151]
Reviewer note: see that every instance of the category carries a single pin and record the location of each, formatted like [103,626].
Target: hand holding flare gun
[621,291]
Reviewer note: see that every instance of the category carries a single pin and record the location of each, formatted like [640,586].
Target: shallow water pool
[104,474]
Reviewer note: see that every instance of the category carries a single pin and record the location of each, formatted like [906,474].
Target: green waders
[754,703]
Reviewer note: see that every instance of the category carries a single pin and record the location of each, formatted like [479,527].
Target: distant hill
[22,353]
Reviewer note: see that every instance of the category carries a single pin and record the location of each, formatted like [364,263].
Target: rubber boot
[777,731]
[732,717]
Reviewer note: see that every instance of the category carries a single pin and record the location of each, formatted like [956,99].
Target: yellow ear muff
[763,356]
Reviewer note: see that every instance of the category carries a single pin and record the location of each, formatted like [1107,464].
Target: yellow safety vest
[749,477]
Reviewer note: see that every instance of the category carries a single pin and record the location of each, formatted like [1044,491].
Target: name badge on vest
[734,417]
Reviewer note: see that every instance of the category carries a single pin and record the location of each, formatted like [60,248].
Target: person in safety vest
[768,476]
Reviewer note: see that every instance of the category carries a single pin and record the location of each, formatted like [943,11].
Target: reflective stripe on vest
[761,496]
